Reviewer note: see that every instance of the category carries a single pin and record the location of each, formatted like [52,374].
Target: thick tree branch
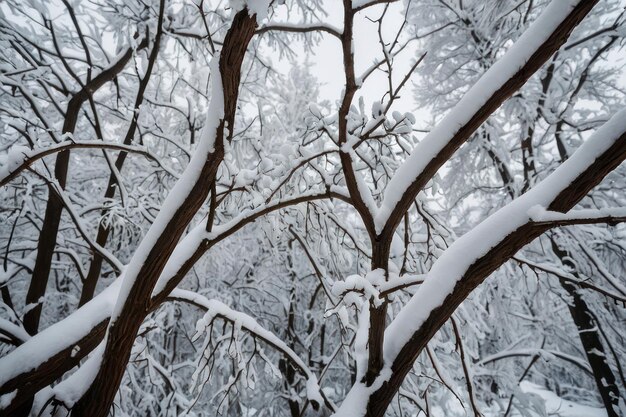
[474,256]
[524,58]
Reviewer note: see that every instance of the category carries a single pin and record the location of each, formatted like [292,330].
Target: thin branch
[30,157]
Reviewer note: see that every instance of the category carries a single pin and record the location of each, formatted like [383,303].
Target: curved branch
[249,324]
[569,278]
[580,363]
[295,28]
[521,61]
[28,158]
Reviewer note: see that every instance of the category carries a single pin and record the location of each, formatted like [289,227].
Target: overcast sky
[327,65]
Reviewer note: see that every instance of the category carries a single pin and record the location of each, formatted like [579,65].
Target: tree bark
[378,314]
[122,331]
[54,206]
[484,266]
[589,338]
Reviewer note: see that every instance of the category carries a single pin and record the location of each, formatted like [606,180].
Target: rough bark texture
[54,206]
[590,338]
[484,266]
[543,53]
[121,334]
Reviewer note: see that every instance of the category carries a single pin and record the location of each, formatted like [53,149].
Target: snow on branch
[509,73]
[542,353]
[358,5]
[215,308]
[610,216]
[20,158]
[12,333]
[373,286]
[451,267]
[42,358]
[115,263]
[399,283]
[565,276]
[475,255]
[299,28]
[70,390]
[355,287]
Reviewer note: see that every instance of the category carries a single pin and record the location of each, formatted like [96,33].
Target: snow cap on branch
[255,7]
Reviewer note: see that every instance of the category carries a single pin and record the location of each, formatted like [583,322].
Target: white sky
[327,64]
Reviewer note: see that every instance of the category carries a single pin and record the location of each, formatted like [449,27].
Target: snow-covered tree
[189,227]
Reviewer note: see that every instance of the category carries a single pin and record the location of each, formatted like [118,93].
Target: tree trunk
[122,330]
[45,247]
[54,206]
[378,314]
[590,338]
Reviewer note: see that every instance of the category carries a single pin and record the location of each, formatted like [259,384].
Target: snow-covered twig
[20,159]
[610,216]
[215,308]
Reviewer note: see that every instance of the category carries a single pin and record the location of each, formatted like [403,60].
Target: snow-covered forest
[303,208]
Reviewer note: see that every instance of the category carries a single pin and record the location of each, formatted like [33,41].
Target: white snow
[355,403]
[403,281]
[19,157]
[6,399]
[181,254]
[361,351]
[514,59]
[356,4]
[556,406]
[540,214]
[259,8]
[356,286]
[313,391]
[451,266]
[215,308]
[12,160]
[14,330]
[183,187]
[59,336]
[73,388]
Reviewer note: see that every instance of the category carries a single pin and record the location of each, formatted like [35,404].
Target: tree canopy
[192,224]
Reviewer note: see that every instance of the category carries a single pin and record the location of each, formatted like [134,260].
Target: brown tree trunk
[45,247]
[93,274]
[590,338]
[378,314]
[122,332]
[379,401]
[54,206]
